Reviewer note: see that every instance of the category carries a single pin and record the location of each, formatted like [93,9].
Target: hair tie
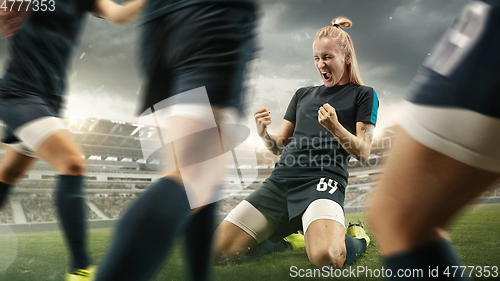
[335,25]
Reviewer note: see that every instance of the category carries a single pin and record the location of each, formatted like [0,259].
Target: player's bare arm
[275,143]
[358,145]
[117,13]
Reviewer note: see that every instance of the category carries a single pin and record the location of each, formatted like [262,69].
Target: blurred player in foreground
[194,55]
[449,150]
[31,97]
[323,127]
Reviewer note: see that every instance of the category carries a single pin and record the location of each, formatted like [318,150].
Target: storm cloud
[391,38]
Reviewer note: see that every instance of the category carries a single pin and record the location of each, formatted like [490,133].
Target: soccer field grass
[43,255]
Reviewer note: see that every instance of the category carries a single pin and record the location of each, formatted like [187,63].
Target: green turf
[43,255]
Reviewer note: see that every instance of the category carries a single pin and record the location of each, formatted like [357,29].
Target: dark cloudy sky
[391,38]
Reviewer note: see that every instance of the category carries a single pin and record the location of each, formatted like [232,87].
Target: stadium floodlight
[71,122]
[139,126]
[81,124]
[92,126]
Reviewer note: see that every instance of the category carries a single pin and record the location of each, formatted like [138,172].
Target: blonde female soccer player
[322,128]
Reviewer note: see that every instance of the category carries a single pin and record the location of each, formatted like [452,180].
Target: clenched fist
[327,117]
[262,119]
[13,16]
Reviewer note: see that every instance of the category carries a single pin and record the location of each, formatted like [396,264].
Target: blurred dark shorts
[19,108]
[203,45]
[285,199]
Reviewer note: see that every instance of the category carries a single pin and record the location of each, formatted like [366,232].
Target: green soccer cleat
[296,240]
[357,231]
[86,274]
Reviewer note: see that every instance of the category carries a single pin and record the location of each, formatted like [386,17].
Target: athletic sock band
[71,208]
[431,260]
[4,192]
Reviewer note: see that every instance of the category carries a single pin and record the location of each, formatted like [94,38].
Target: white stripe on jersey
[460,38]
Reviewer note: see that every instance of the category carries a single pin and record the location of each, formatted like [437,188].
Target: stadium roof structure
[107,138]
[102,139]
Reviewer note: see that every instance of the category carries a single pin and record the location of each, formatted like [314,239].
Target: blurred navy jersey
[39,52]
[313,149]
[464,68]
[158,8]
[34,81]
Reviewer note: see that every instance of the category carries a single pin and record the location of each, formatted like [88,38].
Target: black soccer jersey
[158,8]
[313,149]
[39,52]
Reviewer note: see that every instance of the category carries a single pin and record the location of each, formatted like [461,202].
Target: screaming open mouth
[326,75]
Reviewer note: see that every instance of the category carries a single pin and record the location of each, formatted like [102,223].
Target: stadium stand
[141,186]
[39,209]
[362,180]
[36,184]
[112,206]
[117,173]
[6,214]
[227,204]
[494,191]
[91,215]
[108,186]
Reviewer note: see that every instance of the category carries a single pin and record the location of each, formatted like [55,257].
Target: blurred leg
[199,234]
[147,230]
[231,242]
[60,150]
[146,233]
[242,230]
[14,165]
[420,190]
[179,51]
